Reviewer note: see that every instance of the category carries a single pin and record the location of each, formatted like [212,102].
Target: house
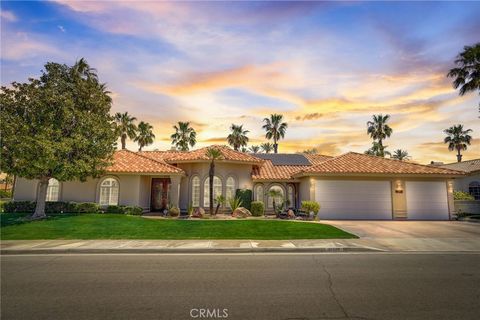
[470,183]
[349,186]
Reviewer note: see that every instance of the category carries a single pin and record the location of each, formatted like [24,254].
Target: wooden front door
[160,194]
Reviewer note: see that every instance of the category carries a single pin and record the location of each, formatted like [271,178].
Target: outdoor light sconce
[450,186]
[398,188]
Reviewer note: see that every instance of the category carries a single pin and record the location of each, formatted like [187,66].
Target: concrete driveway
[456,236]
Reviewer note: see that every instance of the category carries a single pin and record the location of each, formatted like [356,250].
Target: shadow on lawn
[10,219]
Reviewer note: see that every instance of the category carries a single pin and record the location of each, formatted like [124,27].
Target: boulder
[291,214]
[198,213]
[241,212]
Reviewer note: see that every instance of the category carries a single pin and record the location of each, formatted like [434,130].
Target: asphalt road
[268,286]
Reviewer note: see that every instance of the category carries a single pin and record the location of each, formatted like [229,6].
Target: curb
[183,250]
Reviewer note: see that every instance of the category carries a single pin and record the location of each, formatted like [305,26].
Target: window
[217,190]
[53,190]
[259,192]
[278,199]
[474,189]
[291,196]
[230,189]
[196,191]
[109,192]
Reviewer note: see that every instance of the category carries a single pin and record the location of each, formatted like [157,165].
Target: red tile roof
[353,162]
[125,161]
[270,172]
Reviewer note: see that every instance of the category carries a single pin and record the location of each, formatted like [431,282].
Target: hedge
[69,207]
[246,196]
[258,208]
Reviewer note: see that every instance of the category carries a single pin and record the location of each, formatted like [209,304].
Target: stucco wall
[462,183]
[467,206]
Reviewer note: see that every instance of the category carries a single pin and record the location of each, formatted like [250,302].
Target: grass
[14,226]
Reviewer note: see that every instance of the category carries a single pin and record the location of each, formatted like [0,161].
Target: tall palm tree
[184,136]
[145,135]
[457,139]
[125,127]
[274,194]
[379,130]
[275,129]
[377,150]
[238,137]
[400,154]
[254,149]
[266,147]
[213,155]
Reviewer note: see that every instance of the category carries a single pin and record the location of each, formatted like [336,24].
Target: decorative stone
[291,214]
[198,213]
[241,212]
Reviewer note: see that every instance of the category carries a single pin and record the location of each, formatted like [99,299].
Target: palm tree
[310,151]
[274,193]
[145,135]
[377,150]
[213,154]
[400,154]
[238,137]
[467,72]
[220,201]
[275,129]
[125,127]
[254,149]
[457,139]
[266,147]
[378,129]
[184,136]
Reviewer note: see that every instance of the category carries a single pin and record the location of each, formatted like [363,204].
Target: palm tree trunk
[275,145]
[210,187]
[140,148]
[459,155]
[42,195]
[124,140]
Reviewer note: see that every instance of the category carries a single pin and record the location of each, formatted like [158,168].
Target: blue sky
[326,66]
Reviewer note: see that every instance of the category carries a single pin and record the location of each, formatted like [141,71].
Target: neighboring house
[349,186]
[469,183]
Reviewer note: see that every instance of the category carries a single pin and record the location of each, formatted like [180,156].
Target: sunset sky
[327,67]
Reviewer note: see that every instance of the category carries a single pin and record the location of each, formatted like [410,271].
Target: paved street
[250,286]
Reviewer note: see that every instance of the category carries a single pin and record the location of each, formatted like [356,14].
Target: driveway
[422,236]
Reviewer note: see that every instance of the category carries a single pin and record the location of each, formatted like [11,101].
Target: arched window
[217,190]
[474,189]
[230,189]
[278,199]
[196,191]
[291,196]
[53,190]
[109,192]
[259,192]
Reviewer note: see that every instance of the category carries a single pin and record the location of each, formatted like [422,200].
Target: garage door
[426,200]
[354,199]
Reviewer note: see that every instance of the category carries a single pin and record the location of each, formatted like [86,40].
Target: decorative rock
[241,212]
[198,213]
[291,214]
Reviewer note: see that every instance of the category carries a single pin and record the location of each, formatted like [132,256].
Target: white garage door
[354,199]
[427,200]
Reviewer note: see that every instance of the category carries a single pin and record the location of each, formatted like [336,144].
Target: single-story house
[470,183]
[348,186]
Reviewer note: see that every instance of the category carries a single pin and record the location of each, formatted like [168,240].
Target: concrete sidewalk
[239,246]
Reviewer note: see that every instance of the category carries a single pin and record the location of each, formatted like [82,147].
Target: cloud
[21,45]
[8,16]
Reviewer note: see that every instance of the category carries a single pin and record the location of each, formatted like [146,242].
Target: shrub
[115,209]
[59,207]
[133,210]
[246,196]
[460,195]
[311,206]
[5,194]
[234,203]
[19,206]
[174,212]
[86,207]
[258,208]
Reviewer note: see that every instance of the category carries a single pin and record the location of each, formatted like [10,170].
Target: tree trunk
[13,185]
[124,141]
[275,145]
[459,155]
[210,187]
[140,148]
[41,196]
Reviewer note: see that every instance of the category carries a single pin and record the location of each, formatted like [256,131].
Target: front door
[160,194]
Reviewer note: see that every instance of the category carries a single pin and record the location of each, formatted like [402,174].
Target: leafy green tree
[266,147]
[467,70]
[125,127]
[457,139]
[275,129]
[254,149]
[145,135]
[238,137]
[379,130]
[213,155]
[184,136]
[58,126]
[400,154]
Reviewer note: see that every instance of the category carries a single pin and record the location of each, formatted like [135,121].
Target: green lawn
[115,226]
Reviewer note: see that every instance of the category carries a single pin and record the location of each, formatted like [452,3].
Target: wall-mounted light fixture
[398,186]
